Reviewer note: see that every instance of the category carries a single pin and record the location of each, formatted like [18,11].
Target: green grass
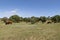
[23,31]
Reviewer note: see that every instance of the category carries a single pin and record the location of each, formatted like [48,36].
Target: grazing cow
[48,21]
[8,22]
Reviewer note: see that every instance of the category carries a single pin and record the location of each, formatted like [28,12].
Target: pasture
[27,31]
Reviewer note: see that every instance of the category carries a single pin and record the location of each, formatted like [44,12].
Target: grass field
[23,31]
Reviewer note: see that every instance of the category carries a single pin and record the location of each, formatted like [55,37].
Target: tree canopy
[33,19]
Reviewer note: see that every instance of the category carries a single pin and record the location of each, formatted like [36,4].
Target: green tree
[48,18]
[21,19]
[4,19]
[43,19]
[15,18]
[26,19]
[55,18]
[33,20]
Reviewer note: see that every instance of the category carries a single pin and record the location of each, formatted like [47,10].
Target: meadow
[27,31]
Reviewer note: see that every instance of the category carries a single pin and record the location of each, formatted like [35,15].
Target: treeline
[33,19]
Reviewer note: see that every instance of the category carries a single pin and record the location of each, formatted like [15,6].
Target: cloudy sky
[28,8]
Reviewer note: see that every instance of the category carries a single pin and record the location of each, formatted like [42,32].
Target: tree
[4,19]
[55,18]
[43,19]
[48,18]
[26,19]
[21,19]
[33,20]
[15,18]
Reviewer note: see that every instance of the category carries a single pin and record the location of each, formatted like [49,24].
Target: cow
[8,22]
[48,21]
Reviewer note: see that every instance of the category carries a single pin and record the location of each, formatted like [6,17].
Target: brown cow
[8,22]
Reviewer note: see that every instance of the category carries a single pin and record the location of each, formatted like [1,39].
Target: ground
[27,31]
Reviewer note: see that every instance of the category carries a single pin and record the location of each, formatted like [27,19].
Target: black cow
[49,22]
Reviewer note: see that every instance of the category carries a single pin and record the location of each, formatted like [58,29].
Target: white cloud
[9,13]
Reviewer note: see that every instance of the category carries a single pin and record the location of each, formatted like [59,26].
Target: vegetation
[15,18]
[23,31]
[4,19]
[56,18]
[43,19]
[30,28]
[32,20]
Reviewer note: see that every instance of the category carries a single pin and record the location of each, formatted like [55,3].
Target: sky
[28,8]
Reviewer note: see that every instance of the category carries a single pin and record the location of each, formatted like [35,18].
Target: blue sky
[28,8]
